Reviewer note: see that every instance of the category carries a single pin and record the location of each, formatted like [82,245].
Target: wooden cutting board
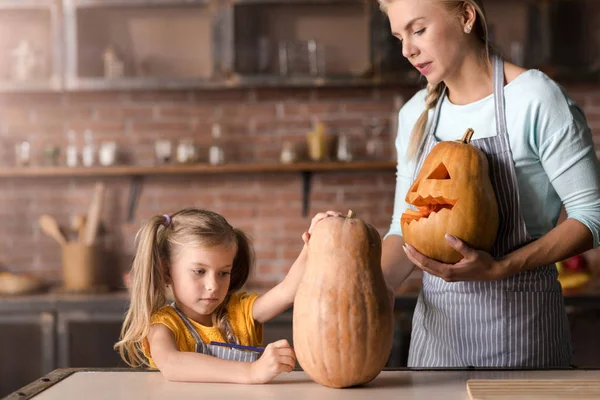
[547,389]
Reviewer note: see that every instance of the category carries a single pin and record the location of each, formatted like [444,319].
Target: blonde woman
[211,332]
[503,309]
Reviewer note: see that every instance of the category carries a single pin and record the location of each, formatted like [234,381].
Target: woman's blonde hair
[157,245]
[435,91]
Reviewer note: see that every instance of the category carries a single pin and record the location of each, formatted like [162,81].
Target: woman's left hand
[476,265]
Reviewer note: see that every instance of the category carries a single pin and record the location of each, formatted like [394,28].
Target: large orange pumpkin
[453,194]
[343,317]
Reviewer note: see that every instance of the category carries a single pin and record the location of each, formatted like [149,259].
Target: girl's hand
[278,357]
[316,219]
[475,266]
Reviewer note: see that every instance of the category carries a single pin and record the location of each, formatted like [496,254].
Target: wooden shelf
[235,82]
[36,172]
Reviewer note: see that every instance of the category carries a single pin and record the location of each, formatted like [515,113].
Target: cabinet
[585,325]
[175,44]
[87,338]
[40,333]
[133,44]
[26,348]
[30,45]
[183,44]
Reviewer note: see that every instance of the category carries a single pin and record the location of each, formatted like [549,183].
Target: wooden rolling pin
[93,217]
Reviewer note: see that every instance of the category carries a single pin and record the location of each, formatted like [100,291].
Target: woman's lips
[424,68]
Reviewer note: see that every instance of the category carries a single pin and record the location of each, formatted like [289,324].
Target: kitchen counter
[117,301]
[397,384]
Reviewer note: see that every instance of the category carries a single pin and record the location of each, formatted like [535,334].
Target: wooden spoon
[50,227]
[78,226]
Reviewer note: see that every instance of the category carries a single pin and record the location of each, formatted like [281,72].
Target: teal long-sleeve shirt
[551,145]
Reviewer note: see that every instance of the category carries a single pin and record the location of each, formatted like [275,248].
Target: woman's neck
[472,81]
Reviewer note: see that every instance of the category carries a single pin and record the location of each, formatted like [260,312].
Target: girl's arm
[281,297]
[182,366]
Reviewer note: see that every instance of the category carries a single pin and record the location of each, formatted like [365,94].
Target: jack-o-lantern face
[453,194]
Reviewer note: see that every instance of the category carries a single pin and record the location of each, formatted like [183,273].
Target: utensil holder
[81,267]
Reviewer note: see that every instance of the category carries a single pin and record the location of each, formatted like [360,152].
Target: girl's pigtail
[149,279]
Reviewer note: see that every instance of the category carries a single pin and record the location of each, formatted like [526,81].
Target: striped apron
[519,321]
[214,350]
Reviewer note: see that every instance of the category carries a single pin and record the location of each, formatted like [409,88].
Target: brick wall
[255,123]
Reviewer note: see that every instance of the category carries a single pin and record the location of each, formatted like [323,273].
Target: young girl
[204,261]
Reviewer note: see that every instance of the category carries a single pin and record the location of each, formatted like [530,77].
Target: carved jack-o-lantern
[453,194]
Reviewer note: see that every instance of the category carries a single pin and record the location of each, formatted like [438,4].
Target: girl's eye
[225,273]
[199,271]
[419,32]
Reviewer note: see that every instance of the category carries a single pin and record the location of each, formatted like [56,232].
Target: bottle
[288,153]
[317,146]
[87,153]
[215,152]
[344,152]
[71,151]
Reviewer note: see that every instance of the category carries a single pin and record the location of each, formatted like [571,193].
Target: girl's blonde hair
[435,91]
[158,243]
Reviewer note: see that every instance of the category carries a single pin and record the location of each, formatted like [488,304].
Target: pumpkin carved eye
[440,172]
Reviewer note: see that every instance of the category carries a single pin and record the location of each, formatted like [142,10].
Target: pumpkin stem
[466,139]
[351,214]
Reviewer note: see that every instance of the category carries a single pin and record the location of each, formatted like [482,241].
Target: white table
[402,384]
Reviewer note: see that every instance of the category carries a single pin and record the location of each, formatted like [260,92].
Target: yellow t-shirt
[239,307]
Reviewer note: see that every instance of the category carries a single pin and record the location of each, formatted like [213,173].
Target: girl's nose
[210,284]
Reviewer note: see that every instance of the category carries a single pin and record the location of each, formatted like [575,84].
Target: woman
[503,309]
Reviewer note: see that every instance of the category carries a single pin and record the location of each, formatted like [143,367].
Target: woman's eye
[419,32]
[225,273]
[199,271]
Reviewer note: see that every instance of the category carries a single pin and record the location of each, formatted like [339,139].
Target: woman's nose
[408,49]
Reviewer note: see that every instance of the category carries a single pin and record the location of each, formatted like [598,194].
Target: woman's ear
[468,17]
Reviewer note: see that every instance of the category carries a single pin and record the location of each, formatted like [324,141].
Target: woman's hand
[316,219]
[475,266]
[278,357]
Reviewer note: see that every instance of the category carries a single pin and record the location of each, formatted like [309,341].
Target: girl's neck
[472,80]
[204,320]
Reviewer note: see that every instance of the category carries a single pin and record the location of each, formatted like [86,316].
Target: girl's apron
[214,350]
[519,321]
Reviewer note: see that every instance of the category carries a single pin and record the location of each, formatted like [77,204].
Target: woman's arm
[183,366]
[395,264]
[566,240]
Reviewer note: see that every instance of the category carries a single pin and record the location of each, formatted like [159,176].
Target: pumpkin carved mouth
[429,204]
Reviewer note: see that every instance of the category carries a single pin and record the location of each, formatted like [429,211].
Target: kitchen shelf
[190,169]
[236,82]
[306,169]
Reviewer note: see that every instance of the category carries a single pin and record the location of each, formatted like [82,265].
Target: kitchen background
[264,111]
